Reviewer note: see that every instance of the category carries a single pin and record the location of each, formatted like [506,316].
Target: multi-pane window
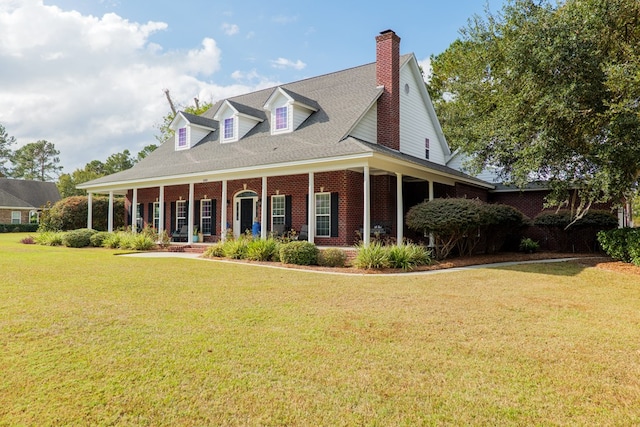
[426,148]
[323,214]
[181,214]
[205,216]
[282,121]
[156,215]
[182,137]
[34,217]
[277,210]
[228,128]
[16,217]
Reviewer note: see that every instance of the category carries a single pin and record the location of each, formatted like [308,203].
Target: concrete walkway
[188,255]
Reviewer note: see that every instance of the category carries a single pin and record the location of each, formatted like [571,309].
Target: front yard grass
[89,338]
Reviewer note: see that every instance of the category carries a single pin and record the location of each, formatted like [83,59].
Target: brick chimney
[388,75]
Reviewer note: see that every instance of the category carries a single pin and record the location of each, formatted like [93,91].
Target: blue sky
[88,75]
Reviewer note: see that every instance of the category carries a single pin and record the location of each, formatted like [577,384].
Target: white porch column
[89,210]
[110,215]
[263,209]
[161,213]
[134,212]
[190,216]
[366,222]
[399,210]
[311,226]
[223,212]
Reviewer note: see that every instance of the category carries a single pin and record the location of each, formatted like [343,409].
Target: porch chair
[177,236]
[304,232]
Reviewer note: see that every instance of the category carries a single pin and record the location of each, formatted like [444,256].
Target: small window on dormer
[282,122]
[182,137]
[228,128]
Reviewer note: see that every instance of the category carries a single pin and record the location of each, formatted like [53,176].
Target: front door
[244,211]
[246,215]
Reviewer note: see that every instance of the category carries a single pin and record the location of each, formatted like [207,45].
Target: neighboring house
[21,201]
[364,142]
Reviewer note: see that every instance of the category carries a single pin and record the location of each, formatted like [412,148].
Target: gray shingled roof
[18,193]
[341,97]
[199,120]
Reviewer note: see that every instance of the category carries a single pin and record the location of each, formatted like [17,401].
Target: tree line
[40,160]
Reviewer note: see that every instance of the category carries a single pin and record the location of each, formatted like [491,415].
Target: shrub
[299,253]
[373,256]
[332,257]
[235,248]
[633,245]
[261,249]
[215,251]
[29,240]
[112,240]
[140,242]
[80,238]
[71,213]
[615,243]
[528,245]
[50,238]
[97,239]
[18,228]
[408,256]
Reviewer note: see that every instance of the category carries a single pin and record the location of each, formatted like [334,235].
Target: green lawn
[90,338]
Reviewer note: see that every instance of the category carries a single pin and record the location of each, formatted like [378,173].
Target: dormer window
[282,116]
[182,137]
[228,128]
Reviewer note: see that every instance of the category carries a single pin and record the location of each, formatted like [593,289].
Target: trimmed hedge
[299,253]
[581,236]
[71,214]
[18,228]
[80,238]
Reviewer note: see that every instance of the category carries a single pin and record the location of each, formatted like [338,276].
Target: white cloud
[230,29]
[427,71]
[93,86]
[287,63]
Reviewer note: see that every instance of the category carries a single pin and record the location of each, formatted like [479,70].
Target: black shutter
[150,215]
[334,215]
[172,224]
[129,217]
[288,209]
[196,214]
[268,224]
[214,223]
[306,211]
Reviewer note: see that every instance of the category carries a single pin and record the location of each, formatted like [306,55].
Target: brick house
[21,201]
[364,142]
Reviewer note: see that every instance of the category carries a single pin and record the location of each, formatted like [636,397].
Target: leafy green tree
[148,149]
[548,92]
[118,162]
[165,132]
[37,160]
[5,151]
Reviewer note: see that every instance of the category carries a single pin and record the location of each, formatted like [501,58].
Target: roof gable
[21,193]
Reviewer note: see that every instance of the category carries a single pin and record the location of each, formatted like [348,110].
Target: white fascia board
[280,169]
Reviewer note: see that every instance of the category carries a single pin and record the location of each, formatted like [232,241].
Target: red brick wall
[530,203]
[464,191]
[388,75]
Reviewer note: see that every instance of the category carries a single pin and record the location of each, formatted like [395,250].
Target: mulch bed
[587,260]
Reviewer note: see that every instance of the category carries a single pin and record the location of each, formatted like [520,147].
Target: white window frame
[280,213]
[287,126]
[16,216]
[203,217]
[186,138]
[181,214]
[233,129]
[320,214]
[156,215]
[36,215]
